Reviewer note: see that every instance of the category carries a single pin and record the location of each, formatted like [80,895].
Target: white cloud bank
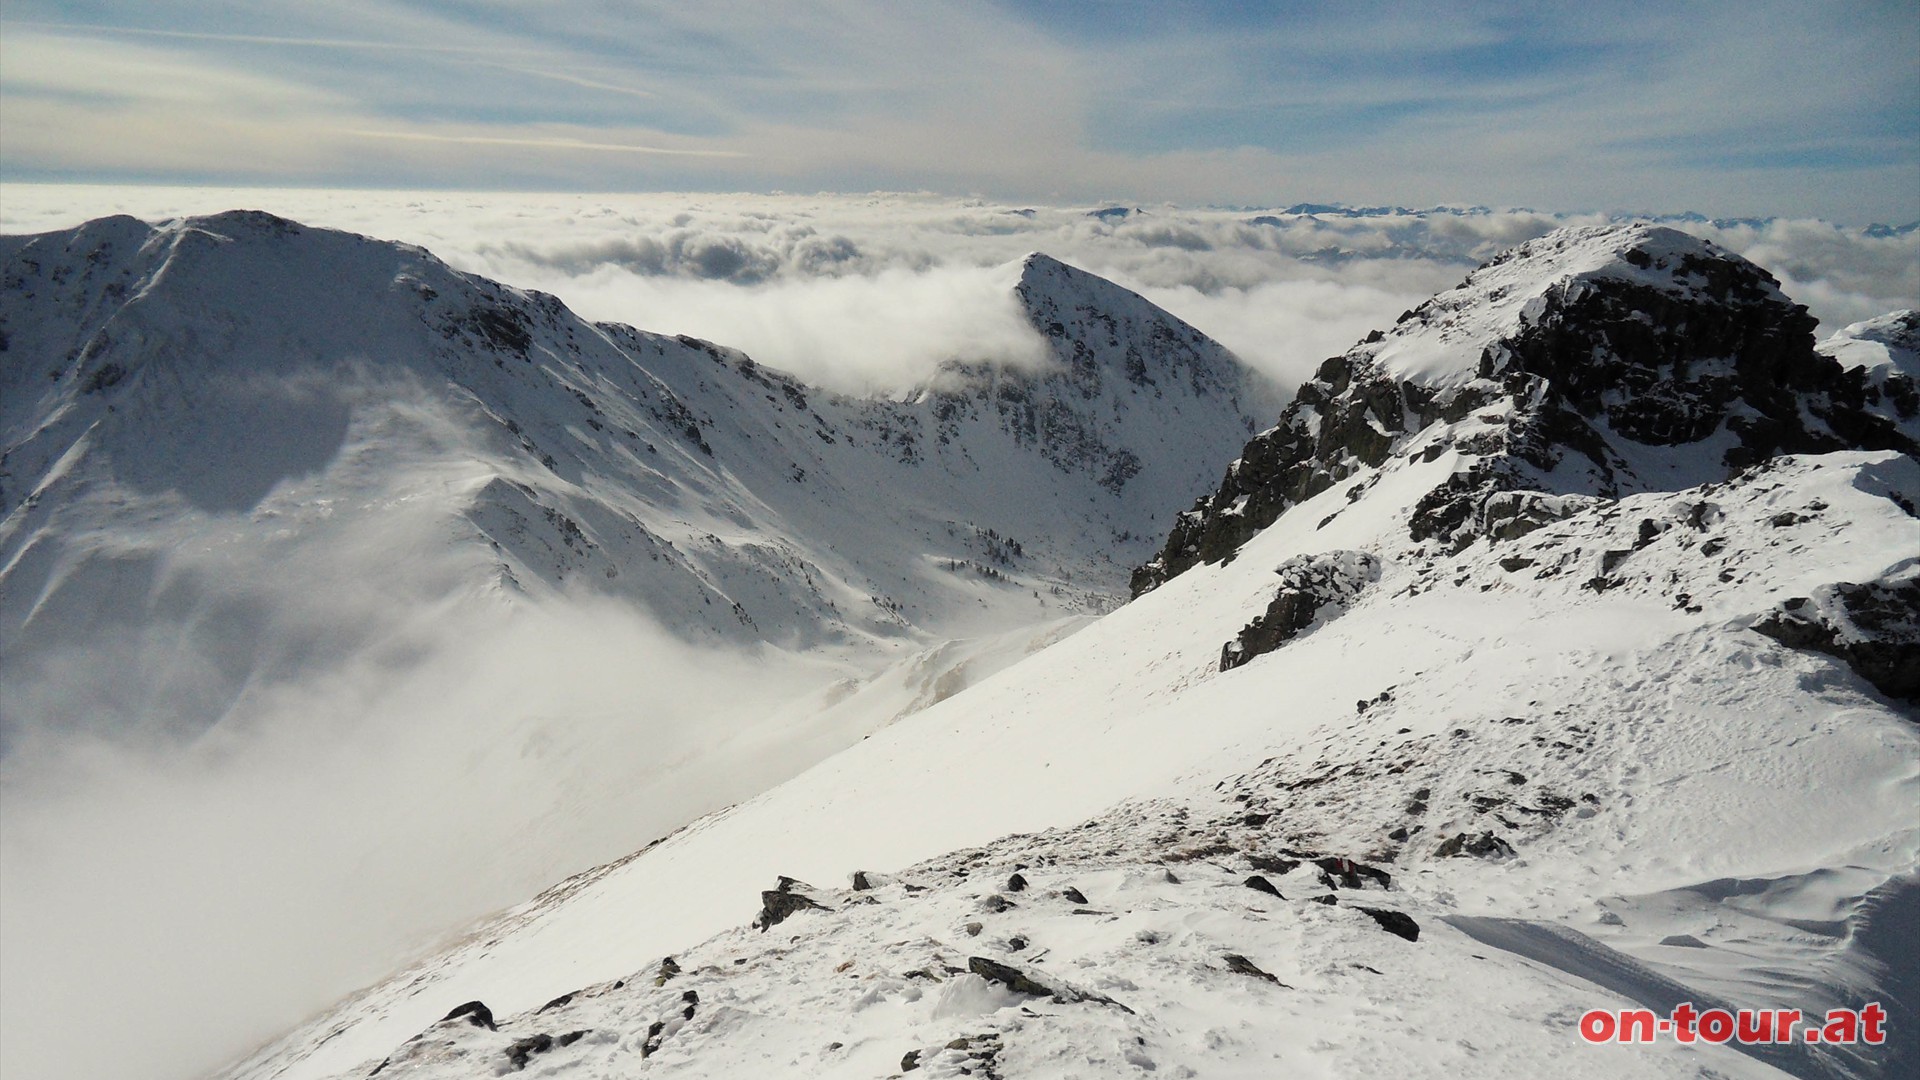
[167,904]
[870,292]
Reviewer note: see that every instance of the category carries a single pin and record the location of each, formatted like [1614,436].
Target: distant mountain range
[244,383]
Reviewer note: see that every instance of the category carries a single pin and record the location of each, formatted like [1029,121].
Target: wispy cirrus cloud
[1770,109]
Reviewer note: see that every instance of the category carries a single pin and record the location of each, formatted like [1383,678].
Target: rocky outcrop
[1555,368]
[1022,982]
[1883,354]
[1873,628]
[789,898]
[475,1013]
[1486,845]
[1398,923]
[1312,588]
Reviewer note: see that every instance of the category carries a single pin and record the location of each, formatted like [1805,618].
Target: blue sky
[1758,108]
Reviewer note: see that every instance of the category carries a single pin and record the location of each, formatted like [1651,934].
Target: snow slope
[335,581]
[1555,725]
[292,396]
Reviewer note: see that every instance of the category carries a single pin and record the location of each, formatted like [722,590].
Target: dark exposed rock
[1873,628]
[1243,966]
[1394,922]
[1272,864]
[911,1061]
[1016,883]
[1021,982]
[504,327]
[1485,845]
[1008,976]
[476,1013]
[1260,884]
[522,1049]
[1693,342]
[554,1004]
[779,904]
[1073,895]
[668,969]
[1353,875]
[1309,585]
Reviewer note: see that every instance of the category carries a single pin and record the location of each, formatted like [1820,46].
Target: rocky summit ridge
[1595,361]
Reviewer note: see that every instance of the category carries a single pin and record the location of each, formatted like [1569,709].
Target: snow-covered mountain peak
[1439,344]
[1580,363]
[1887,343]
[1099,331]
[242,389]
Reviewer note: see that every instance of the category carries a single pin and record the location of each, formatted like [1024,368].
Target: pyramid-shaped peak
[1038,266]
[1101,333]
[1045,281]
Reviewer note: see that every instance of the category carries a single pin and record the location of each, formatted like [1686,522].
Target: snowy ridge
[1591,362]
[1541,713]
[1595,734]
[1440,344]
[245,400]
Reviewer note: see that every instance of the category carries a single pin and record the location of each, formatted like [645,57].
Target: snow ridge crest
[1594,361]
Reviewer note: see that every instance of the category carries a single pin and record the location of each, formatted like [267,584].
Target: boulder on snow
[476,1013]
[522,1049]
[1261,884]
[1312,587]
[1243,966]
[864,880]
[1352,875]
[1484,846]
[788,899]
[1008,976]
[1398,923]
[1021,982]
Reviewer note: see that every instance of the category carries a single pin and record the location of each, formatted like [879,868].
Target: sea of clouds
[869,293]
[196,894]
